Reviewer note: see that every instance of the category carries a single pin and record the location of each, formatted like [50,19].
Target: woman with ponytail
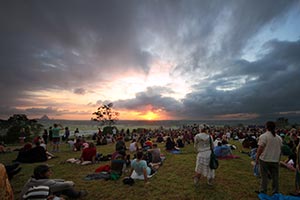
[268,157]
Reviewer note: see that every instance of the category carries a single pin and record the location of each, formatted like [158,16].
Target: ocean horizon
[159,123]
[89,127]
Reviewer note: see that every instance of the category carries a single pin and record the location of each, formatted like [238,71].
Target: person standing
[56,137]
[76,133]
[268,157]
[203,143]
[22,136]
[45,136]
[67,134]
[50,134]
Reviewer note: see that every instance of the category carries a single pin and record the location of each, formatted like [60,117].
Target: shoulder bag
[213,162]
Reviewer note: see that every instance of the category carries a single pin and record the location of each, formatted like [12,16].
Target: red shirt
[149,143]
[88,154]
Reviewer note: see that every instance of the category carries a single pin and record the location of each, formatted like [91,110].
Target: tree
[106,115]
[11,128]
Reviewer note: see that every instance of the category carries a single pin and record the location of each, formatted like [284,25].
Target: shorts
[55,140]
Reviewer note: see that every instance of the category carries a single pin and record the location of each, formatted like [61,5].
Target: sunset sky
[155,60]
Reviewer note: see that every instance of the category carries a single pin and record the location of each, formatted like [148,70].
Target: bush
[13,126]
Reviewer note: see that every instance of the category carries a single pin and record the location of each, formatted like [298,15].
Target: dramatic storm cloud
[176,59]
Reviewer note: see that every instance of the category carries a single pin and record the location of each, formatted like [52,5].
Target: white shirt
[132,147]
[272,147]
[201,142]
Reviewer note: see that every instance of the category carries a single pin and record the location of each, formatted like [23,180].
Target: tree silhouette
[106,115]
[15,123]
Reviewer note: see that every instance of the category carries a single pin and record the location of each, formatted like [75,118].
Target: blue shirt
[140,166]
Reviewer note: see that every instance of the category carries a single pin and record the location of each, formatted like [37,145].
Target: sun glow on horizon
[150,116]
[146,114]
[66,104]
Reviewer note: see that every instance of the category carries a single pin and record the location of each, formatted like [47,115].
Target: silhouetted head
[139,155]
[41,172]
[271,127]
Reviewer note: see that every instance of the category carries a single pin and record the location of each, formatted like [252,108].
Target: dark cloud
[80,91]
[50,44]
[273,89]
[224,33]
[69,45]
[39,112]
[153,97]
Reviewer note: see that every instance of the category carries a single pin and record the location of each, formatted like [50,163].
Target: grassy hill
[234,178]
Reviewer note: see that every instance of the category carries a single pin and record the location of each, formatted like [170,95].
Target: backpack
[128,181]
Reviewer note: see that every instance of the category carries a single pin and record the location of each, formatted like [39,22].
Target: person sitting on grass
[139,168]
[23,153]
[88,155]
[31,155]
[179,142]
[39,153]
[58,187]
[78,144]
[156,160]
[3,148]
[171,145]
[148,144]
[289,164]
[118,162]
[120,144]
[39,141]
[222,150]
[133,147]
[12,170]
[159,138]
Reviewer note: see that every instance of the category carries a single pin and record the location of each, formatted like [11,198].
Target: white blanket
[134,175]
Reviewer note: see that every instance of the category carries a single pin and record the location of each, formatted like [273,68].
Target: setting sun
[150,116]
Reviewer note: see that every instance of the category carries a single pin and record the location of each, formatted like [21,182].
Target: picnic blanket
[277,196]
[228,157]
[97,176]
[175,151]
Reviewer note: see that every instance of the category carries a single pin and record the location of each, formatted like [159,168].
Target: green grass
[234,178]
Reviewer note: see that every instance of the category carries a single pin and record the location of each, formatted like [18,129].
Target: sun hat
[85,145]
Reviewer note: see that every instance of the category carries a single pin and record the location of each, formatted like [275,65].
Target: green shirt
[55,132]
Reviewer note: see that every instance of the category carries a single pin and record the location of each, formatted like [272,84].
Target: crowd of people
[143,156]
